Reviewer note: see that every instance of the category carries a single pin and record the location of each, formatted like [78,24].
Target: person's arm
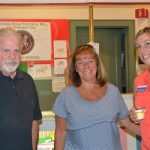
[133,116]
[60,133]
[131,126]
[35,133]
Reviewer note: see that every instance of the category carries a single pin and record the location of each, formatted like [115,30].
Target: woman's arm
[60,133]
[131,126]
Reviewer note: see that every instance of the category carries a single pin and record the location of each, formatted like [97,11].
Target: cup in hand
[140,113]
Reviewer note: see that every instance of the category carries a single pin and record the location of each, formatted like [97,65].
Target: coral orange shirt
[142,99]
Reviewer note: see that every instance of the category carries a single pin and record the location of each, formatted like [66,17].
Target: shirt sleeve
[37,111]
[59,106]
[123,110]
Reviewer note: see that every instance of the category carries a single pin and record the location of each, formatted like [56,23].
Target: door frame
[129,27]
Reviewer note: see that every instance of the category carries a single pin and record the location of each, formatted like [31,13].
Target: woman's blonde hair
[142,31]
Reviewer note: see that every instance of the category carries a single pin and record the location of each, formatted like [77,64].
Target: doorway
[116,49]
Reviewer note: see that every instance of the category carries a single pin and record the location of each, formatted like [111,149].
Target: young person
[142,86]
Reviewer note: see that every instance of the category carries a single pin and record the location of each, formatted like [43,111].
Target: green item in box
[45,140]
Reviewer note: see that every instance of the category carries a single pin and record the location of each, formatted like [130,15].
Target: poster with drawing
[36,39]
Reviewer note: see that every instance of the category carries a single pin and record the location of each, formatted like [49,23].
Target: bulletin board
[44,54]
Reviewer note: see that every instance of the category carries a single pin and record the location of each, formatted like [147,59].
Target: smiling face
[86,67]
[10,53]
[143,47]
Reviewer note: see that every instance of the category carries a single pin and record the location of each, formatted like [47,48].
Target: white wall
[76,12]
[73,12]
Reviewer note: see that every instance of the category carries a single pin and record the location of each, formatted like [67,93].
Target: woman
[142,86]
[87,111]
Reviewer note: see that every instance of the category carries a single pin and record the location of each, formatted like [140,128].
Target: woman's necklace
[89,90]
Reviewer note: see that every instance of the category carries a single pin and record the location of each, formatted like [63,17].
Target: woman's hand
[133,116]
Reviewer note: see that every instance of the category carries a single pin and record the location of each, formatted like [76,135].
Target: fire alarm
[141,13]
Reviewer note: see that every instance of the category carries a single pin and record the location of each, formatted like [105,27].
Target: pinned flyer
[60,49]
[58,84]
[59,66]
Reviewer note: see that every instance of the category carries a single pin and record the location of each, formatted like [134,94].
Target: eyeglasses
[145,44]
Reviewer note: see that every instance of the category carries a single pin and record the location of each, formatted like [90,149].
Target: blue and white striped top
[91,125]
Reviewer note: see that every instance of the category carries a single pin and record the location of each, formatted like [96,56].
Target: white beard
[9,66]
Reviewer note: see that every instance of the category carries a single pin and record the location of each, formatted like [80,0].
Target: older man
[19,105]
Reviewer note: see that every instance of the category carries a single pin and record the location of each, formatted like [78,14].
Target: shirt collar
[19,74]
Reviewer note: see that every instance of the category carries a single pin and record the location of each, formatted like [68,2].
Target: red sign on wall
[141,13]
